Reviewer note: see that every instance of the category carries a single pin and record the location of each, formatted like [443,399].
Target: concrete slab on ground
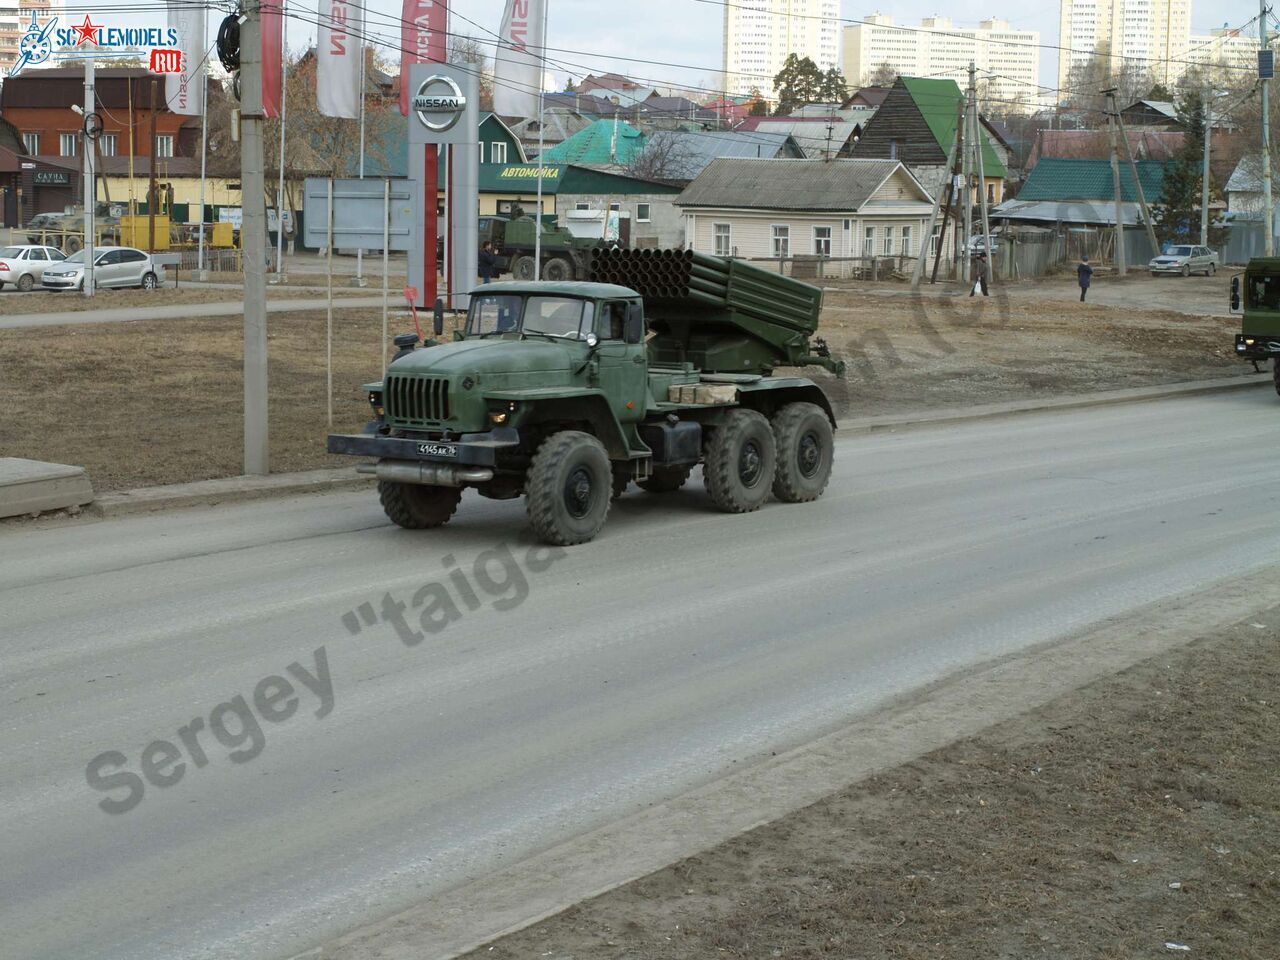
[31,486]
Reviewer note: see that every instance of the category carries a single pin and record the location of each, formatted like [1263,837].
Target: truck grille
[416,401]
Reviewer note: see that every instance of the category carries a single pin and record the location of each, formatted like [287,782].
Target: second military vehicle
[567,392]
[1257,295]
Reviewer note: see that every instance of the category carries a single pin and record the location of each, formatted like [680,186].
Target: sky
[684,35]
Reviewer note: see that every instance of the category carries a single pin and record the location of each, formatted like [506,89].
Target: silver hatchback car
[112,267]
[24,266]
[1186,260]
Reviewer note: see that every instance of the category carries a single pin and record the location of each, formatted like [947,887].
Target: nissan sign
[439,103]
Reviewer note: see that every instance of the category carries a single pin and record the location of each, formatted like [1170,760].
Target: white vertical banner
[517,61]
[339,50]
[184,91]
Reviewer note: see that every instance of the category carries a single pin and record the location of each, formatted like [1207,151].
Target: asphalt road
[681,644]
[178,312]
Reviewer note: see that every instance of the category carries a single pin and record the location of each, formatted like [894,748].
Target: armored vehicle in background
[1256,294]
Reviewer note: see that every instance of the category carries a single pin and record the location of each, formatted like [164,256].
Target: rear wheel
[418,507]
[25,282]
[557,269]
[805,451]
[740,462]
[665,479]
[522,268]
[568,488]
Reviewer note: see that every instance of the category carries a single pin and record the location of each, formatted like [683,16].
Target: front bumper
[471,449]
[1166,267]
[60,282]
[1254,346]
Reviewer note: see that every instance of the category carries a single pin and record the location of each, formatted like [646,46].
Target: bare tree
[885,75]
[667,156]
[467,49]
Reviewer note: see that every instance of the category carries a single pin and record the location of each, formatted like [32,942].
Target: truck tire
[806,448]
[557,269]
[72,246]
[740,462]
[568,488]
[1275,373]
[522,268]
[665,479]
[418,507]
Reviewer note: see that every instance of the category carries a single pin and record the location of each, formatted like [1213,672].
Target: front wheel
[568,488]
[418,507]
[149,281]
[1186,269]
[740,462]
[805,451]
[1213,268]
[522,268]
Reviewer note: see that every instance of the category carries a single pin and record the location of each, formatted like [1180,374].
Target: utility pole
[966,228]
[90,191]
[1137,181]
[1115,183]
[253,241]
[1204,172]
[978,139]
[918,271]
[152,192]
[1267,211]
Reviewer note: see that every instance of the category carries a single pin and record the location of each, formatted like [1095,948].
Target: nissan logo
[439,103]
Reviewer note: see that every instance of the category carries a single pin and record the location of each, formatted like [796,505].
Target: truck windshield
[1263,293]
[508,313]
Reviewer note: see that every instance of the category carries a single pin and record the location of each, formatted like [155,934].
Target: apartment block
[1008,60]
[759,34]
[1132,32]
[15,18]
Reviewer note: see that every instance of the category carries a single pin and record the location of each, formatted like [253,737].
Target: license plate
[437,450]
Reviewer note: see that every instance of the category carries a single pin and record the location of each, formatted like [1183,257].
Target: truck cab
[1256,295]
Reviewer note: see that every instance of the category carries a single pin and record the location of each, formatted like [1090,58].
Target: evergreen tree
[1177,215]
[798,82]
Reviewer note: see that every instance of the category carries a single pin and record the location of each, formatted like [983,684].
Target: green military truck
[567,392]
[563,256]
[1259,300]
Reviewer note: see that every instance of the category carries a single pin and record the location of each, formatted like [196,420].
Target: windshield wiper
[577,337]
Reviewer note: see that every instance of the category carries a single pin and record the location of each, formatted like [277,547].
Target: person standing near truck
[981,274]
[488,262]
[1084,274]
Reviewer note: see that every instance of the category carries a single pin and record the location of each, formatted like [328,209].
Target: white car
[112,267]
[24,266]
[1185,259]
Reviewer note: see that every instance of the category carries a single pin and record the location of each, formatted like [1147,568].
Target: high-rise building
[1008,60]
[759,34]
[15,18]
[1150,35]
[1227,54]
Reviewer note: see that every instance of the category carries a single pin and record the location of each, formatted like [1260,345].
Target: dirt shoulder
[1138,812]
[13,303]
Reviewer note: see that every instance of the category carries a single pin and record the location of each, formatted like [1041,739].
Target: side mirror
[437,318]
[1235,293]
[633,326]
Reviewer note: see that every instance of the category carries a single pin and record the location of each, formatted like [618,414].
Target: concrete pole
[386,262]
[1267,210]
[90,191]
[1147,219]
[978,139]
[1204,172]
[542,82]
[253,242]
[204,153]
[1121,267]
[917,272]
[360,281]
[284,117]
[967,199]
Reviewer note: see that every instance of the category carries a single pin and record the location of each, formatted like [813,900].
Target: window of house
[497,152]
[31,143]
[108,144]
[67,144]
[723,234]
[481,146]
[888,240]
[615,207]
[906,241]
[164,145]
[869,242]
[991,193]
[642,212]
[582,206]
[822,241]
[781,241]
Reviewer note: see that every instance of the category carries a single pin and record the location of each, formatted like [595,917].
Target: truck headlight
[500,416]
[375,401]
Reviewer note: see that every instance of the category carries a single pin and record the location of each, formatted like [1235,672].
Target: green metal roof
[602,142]
[1060,178]
[936,101]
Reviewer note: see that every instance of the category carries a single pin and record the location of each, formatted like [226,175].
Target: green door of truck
[623,366]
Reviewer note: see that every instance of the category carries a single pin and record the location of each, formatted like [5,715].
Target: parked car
[977,244]
[112,267]
[25,266]
[1186,260]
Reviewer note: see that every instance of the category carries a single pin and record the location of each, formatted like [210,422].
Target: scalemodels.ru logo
[39,45]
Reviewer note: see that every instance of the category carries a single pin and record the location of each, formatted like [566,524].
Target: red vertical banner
[272,14]
[424,26]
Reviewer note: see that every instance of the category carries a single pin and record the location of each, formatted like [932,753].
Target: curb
[243,488]
[942,417]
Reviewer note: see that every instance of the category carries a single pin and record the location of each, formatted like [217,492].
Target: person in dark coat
[488,262]
[981,273]
[1084,273]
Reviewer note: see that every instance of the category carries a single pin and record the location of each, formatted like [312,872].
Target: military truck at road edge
[1259,338]
[565,393]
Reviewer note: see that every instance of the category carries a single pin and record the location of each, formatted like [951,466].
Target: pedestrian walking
[488,262]
[981,273]
[1084,274]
